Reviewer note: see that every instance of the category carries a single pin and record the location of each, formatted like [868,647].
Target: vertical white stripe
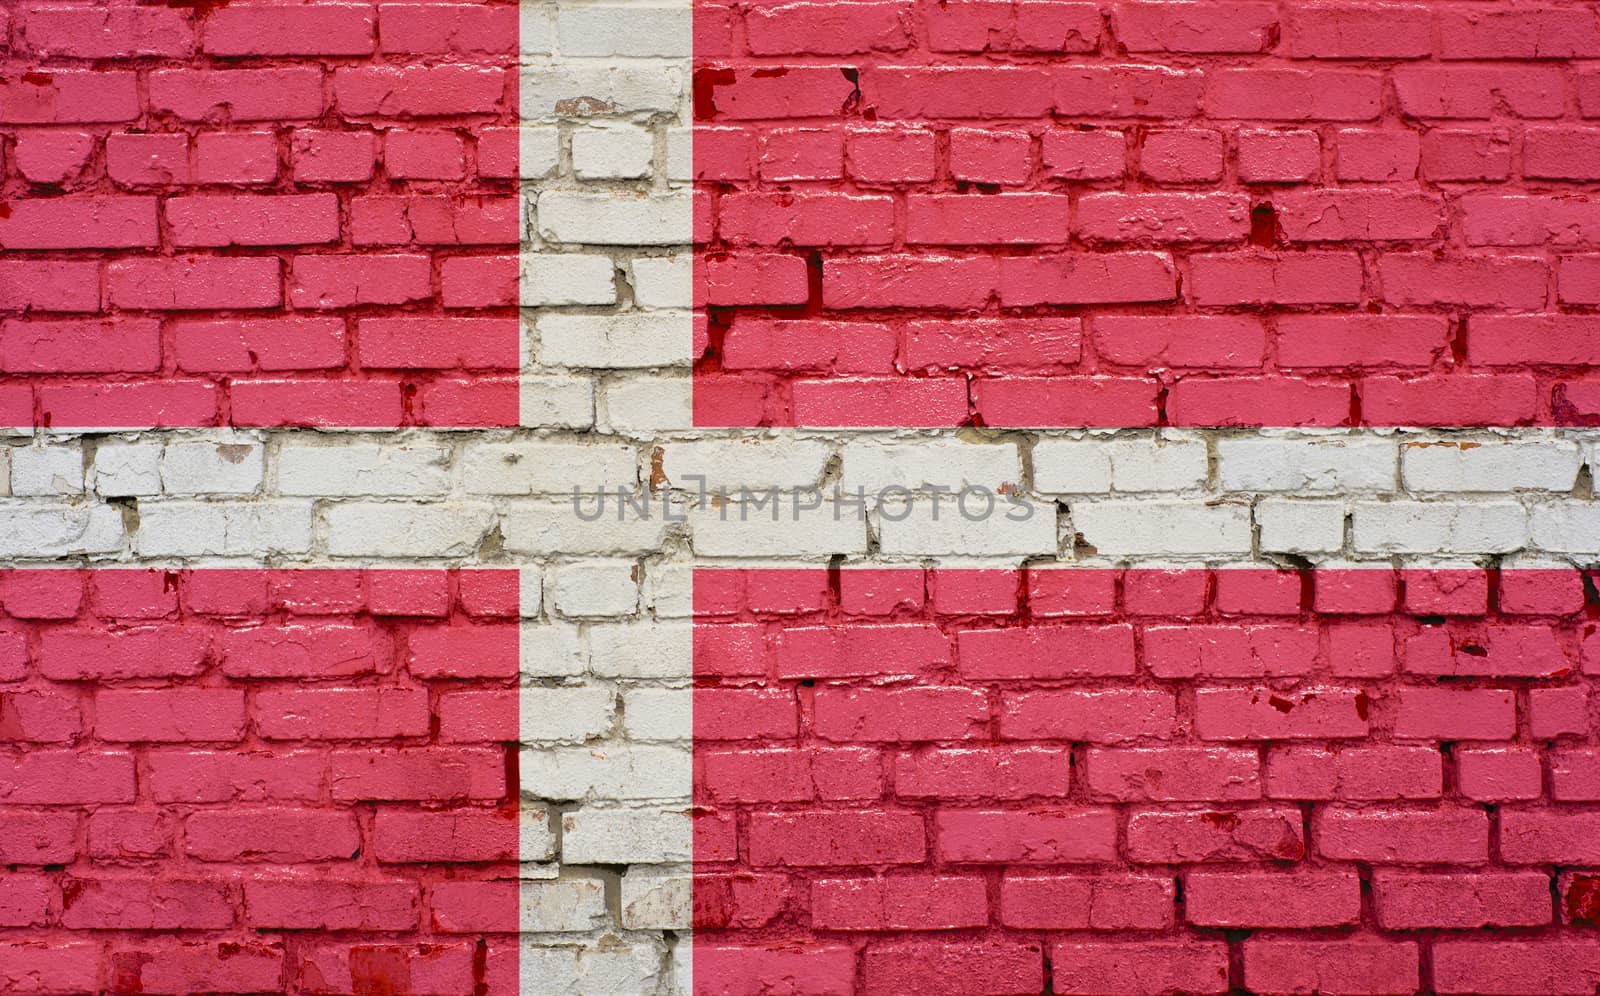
[607,316]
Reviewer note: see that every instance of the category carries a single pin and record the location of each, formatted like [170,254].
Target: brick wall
[1145,213]
[622,385]
[1144,781]
[262,214]
[262,781]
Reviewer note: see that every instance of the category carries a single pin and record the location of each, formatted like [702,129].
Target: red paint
[278,186]
[952,164]
[1014,776]
[267,754]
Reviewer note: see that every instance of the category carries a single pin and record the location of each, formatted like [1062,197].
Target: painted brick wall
[1145,213]
[258,214]
[606,152]
[1144,781]
[261,781]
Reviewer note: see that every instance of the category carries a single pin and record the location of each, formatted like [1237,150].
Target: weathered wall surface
[1461,115]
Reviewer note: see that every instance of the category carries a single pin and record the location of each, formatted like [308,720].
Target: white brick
[620,771]
[1550,465]
[1435,528]
[563,905]
[565,715]
[632,339]
[992,527]
[669,590]
[53,469]
[536,34]
[198,468]
[650,404]
[1161,528]
[556,528]
[536,838]
[1169,463]
[626,836]
[643,649]
[581,89]
[680,154]
[943,463]
[127,469]
[740,529]
[30,529]
[348,468]
[663,281]
[551,652]
[603,29]
[568,278]
[539,152]
[530,593]
[612,152]
[1306,466]
[657,713]
[1566,526]
[749,462]
[5,471]
[526,468]
[657,899]
[615,968]
[558,402]
[1290,526]
[386,529]
[234,529]
[596,589]
[617,218]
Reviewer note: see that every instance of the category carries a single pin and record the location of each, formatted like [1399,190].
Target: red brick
[1442,836]
[109,33]
[298,650]
[462,836]
[1143,967]
[142,904]
[1168,774]
[318,282]
[731,969]
[70,96]
[1268,834]
[1196,28]
[900,902]
[281,836]
[907,714]
[221,965]
[1053,651]
[420,773]
[341,713]
[1084,902]
[1502,965]
[1034,836]
[80,223]
[839,838]
[195,283]
[170,715]
[1324,898]
[286,94]
[330,904]
[983,773]
[419,91]
[892,968]
[85,654]
[1428,900]
[1265,714]
[1358,964]
[315,29]
[1109,715]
